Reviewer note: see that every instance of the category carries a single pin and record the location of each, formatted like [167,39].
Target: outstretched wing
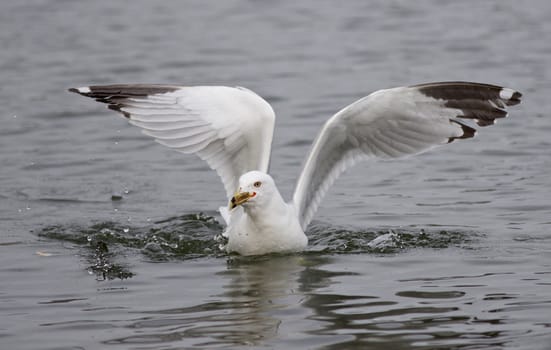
[394,123]
[230,128]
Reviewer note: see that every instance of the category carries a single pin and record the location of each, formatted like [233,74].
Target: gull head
[255,189]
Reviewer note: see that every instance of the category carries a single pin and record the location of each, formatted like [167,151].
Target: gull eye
[257,184]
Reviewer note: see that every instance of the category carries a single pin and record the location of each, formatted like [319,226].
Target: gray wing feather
[230,128]
[394,123]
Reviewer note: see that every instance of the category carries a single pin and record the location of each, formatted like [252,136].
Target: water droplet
[89,238]
[115,209]
[125,230]
[148,219]
[28,208]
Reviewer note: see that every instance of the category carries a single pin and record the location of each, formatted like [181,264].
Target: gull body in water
[231,128]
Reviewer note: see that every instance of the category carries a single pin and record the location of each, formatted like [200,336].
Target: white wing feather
[393,123]
[230,128]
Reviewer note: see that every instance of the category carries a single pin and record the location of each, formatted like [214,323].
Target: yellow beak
[240,198]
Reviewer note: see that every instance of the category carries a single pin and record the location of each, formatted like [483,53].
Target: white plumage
[232,128]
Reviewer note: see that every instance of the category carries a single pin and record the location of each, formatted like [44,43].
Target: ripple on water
[104,245]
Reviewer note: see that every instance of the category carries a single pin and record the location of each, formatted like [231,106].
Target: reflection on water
[263,300]
[398,300]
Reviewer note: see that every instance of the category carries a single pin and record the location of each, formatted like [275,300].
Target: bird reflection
[262,291]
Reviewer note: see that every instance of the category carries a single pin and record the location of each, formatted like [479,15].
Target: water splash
[195,236]
[103,244]
[327,239]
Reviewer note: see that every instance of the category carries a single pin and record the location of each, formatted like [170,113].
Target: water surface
[107,239]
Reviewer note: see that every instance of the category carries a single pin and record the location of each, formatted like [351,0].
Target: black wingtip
[84,91]
[515,98]
[118,108]
[468,132]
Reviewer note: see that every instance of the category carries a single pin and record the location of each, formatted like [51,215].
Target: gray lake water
[106,238]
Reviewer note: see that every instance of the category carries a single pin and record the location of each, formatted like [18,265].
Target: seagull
[231,128]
